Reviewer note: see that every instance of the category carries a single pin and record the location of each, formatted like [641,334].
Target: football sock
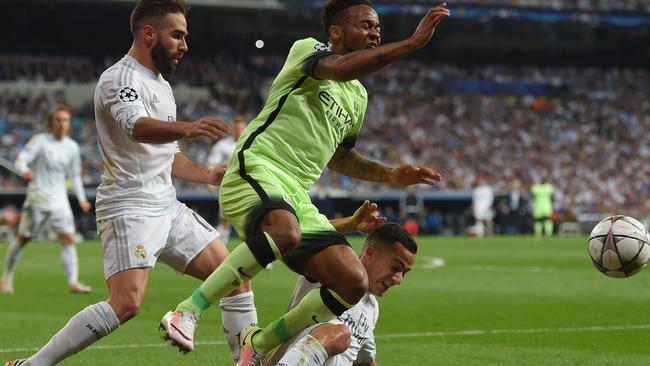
[14,252]
[224,233]
[70,263]
[237,313]
[319,305]
[538,229]
[306,352]
[85,328]
[241,265]
[548,227]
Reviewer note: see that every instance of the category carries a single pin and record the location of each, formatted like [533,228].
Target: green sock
[240,266]
[538,229]
[548,227]
[310,310]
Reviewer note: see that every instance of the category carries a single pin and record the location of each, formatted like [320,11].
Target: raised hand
[409,174]
[428,24]
[366,218]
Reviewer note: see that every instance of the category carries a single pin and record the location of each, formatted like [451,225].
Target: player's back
[137,176]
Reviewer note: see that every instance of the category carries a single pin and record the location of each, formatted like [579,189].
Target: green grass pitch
[497,301]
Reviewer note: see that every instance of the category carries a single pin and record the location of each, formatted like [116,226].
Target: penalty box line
[469,332]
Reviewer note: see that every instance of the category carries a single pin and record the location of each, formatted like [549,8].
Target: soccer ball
[619,246]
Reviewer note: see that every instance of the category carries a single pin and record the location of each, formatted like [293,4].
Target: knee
[335,339]
[357,284]
[351,284]
[341,341]
[125,308]
[286,238]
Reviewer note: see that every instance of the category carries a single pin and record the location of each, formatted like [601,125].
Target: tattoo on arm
[355,165]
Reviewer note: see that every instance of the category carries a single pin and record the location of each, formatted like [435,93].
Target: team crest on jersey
[320,47]
[128,94]
[140,252]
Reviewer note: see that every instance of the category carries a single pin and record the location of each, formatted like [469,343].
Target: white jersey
[361,320]
[137,176]
[482,199]
[50,160]
[222,151]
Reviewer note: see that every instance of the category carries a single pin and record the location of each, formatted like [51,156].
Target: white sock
[14,252]
[306,352]
[237,313]
[224,232]
[70,262]
[85,328]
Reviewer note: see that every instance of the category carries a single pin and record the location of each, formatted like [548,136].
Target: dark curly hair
[155,8]
[391,232]
[333,9]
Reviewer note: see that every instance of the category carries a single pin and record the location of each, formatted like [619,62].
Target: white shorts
[32,221]
[135,241]
[483,213]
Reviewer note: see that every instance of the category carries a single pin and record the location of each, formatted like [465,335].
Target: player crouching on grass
[388,254]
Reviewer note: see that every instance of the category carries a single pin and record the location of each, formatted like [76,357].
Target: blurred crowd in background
[584,129]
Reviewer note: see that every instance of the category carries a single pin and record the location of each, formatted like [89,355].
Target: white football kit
[482,200]
[139,218]
[361,320]
[222,151]
[46,203]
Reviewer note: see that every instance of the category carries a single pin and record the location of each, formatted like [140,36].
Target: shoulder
[72,143]
[307,46]
[122,74]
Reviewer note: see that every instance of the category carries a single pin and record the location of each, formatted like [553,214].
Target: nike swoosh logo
[315,319]
[241,272]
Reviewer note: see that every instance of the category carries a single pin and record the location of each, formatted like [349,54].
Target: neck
[337,49]
[143,56]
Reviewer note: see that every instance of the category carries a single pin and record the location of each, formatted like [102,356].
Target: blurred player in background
[139,218]
[220,155]
[388,254]
[45,163]
[543,207]
[482,201]
[311,120]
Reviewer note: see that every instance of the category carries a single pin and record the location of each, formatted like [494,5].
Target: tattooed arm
[355,165]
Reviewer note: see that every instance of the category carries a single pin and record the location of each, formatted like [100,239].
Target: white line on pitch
[518,331]
[395,335]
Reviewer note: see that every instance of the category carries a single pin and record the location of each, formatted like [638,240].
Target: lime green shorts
[245,200]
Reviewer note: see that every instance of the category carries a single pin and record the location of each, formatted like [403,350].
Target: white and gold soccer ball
[619,246]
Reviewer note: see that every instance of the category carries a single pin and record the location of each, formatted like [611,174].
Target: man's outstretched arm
[355,65]
[352,163]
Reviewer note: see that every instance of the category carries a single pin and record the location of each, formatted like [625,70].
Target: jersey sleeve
[368,351]
[124,101]
[28,154]
[305,53]
[350,139]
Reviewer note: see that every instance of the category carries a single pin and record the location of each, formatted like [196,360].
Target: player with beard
[311,120]
[139,218]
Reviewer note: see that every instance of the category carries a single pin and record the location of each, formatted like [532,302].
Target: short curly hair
[155,8]
[333,9]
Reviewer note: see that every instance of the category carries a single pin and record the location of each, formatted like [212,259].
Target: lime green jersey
[304,120]
[543,193]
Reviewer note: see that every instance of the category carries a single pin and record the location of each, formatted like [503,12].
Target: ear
[149,34]
[335,33]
